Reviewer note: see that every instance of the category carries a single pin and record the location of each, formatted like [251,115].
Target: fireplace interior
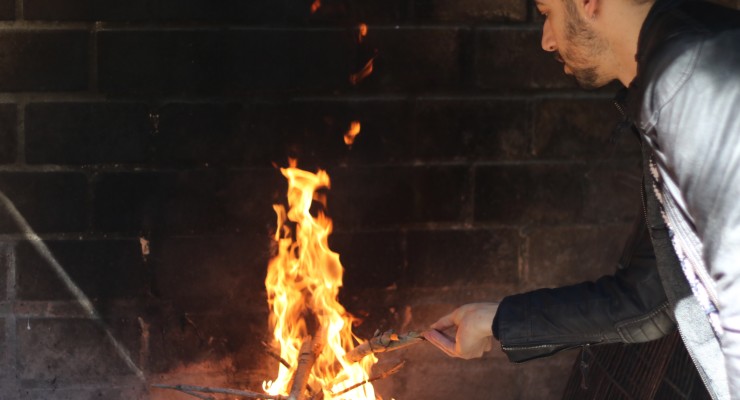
[140,146]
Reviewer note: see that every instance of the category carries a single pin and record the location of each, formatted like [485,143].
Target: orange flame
[358,77]
[303,282]
[315,6]
[354,130]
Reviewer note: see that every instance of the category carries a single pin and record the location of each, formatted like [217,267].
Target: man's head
[596,40]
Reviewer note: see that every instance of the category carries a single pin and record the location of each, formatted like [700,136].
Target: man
[680,63]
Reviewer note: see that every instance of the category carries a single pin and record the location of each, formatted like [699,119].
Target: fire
[303,282]
[315,6]
[354,130]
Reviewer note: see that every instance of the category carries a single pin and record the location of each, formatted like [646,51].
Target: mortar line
[109,168]
[10,259]
[19,10]
[523,265]
[76,97]
[11,322]
[92,83]
[469,206]
[21,131]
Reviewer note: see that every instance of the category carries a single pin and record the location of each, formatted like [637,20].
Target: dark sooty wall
[480,171]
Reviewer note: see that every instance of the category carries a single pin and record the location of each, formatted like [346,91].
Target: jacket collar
[655,30]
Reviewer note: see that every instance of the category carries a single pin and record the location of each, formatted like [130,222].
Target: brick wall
[480,171]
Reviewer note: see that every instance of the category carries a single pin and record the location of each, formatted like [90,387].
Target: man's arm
[630,306]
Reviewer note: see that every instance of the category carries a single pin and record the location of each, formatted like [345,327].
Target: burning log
[309,350]
[381,343]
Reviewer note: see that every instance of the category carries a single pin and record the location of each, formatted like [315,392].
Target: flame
[315,6]
[303,282]
[363,73]
[354,130]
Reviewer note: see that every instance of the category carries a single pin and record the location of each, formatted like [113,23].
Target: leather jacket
[685,105]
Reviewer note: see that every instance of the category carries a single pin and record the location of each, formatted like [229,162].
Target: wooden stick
[200,396]
[373,379]
[232,392]
[381,343]
[306,359]
[268,350]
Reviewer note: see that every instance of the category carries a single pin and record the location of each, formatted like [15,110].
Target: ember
[354,130]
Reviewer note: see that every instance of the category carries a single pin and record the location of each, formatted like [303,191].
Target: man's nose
[548,39]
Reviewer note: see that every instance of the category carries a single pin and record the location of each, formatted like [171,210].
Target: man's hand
[473,334]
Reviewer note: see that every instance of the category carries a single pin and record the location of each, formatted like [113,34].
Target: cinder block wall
[480,171]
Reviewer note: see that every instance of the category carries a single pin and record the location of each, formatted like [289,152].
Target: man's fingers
[441,341]
[444,323]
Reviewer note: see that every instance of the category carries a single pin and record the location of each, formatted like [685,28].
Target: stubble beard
[585,48]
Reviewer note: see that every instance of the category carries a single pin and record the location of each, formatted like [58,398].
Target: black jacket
[632,305]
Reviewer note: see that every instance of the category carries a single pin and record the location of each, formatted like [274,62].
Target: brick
[211,270]
[103,270]
[569,255]
[49,201]
[186,202]
[370,260]
[226,10]
[579,129]
[514,59]
[63,351]
[227,134]
[389,197]
[343,12]
[223,62]
[197,134]
[7,9]
[8,134]
[472,129]
[529,194]
[91,10]
[59,10]
[87,133]
[463,257]
[42,61]
[470,10]
[413,59]
[161,10]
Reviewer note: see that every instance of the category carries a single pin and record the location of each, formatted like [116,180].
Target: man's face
[574,43]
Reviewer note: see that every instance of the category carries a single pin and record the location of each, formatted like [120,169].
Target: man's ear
[590,8]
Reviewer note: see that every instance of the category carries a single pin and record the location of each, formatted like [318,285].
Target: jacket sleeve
[629,306]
